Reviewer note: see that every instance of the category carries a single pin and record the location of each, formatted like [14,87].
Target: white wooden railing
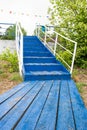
[56,42]
[19,47]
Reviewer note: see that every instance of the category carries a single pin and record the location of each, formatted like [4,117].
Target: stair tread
[37,52]
[33,46]
[38,57]
[46,73]
[56,64]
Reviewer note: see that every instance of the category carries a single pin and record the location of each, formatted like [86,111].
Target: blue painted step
[27,38]
[45,75]
[32,42]
[37,54]
[31,48]
[40,63]
[39,60]
[43,67]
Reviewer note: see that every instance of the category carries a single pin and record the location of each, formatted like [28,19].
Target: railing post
[38,31]
[16,34]
[73,58]
[19,45]
[16,38]
[55,44]
[45,37]
[21,53]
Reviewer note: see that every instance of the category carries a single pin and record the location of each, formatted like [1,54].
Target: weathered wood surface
[43,105]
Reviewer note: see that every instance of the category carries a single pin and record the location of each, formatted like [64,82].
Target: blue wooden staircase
[40,63]
[47,99]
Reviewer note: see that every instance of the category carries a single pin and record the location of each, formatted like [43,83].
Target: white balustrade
[19,46]
[53,50]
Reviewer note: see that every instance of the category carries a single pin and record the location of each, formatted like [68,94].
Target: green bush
[81,57]
[12,59]
[73,24]
[66,57]
[16,77]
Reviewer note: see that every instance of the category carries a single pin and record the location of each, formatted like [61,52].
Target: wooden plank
[15,114]
[79,110]
[29,120]
[47,120]
[65,119]
[12,91]
[11,102]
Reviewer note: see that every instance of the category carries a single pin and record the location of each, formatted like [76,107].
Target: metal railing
[19,47]
[56,42]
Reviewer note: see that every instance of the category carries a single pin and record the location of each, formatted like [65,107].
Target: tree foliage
[10,32]
[70,19]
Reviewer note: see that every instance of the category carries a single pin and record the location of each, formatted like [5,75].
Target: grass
[1,71]
[79,76]
[80,86]
[15,77]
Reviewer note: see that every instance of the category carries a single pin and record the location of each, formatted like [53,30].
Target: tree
[10,32]
[70,17]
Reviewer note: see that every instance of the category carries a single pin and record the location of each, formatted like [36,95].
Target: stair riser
[39,49]
[30,44]
[37,54]
[33,46]
[35,51]
[39,60]
[30,37]
[43,68]
[46,77]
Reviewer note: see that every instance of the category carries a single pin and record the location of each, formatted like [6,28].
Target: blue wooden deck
[43,105]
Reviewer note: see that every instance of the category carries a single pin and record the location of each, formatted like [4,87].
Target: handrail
[65,37]
[53,50]
[19,46]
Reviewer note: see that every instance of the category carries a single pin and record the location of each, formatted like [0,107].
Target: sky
[28,12]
